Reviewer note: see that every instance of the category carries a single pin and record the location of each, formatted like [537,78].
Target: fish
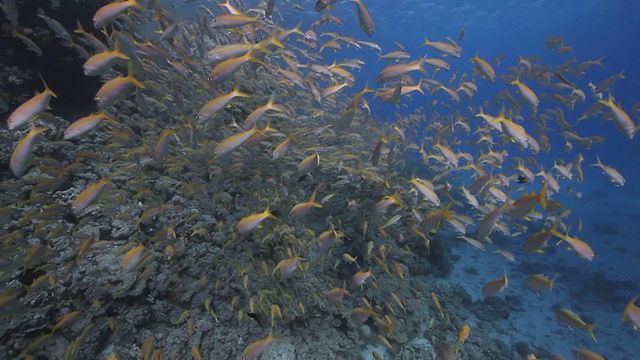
[255,349]
[208,110]
[426,191]
[132,258]
[250,222]
[30,44]
[361,277]
[23,152]
[450,48]
[286,267]
[233,142]
[102,62]
[283,147]
[524,205]
[87,196]
[437,304]
[584,354]
[303,208]
[614,175]
[116,88]
[31,108]
[581,248]
[308,164]
[324,4]
[232,20]
[484,68]
[540,282]
[336,295]
[539,240]
[397,70]
[620,117]
[631,313]
[161,150]
[495,287]
[526,92]
[569,318]
[108,13]
[84,125]
[463,335]
[364,19]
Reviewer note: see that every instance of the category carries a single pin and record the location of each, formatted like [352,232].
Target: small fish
[323,4]
[116,88]
[102,62]
[252,221]
[161,150]
[390,222]
[232,20]
[584,354]
[495,287]
[580,247]
[108,13]
[632,313]
[436,302]
[30,108]
[24,151]
[364,19]
[463,335]
[484,68]
[88,195]
[286,267]
[350,259]
[361,277]
[66,320]
[540,282]
[308,164]
[31,46]
[255,349]
[209,109]
[569,318]
[527,93]
[84,125]
[132,258]
[233,142]
[397,70]
[450,48]
[336,295]
[613,174]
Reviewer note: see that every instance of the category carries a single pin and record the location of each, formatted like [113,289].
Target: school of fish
[228,142]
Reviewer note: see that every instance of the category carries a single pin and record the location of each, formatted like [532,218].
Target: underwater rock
[491,309]
[416,349]
[279,351]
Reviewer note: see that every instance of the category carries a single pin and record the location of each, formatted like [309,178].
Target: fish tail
[446,213]
[552,281]
[79,29]
[133,79]
[598,162]
[117,50]
[543,195]
[556,233]
[136,4]
[37,130]
[590,329]
[47,89]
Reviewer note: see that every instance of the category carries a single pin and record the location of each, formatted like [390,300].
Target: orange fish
[463,335]
[495,287]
